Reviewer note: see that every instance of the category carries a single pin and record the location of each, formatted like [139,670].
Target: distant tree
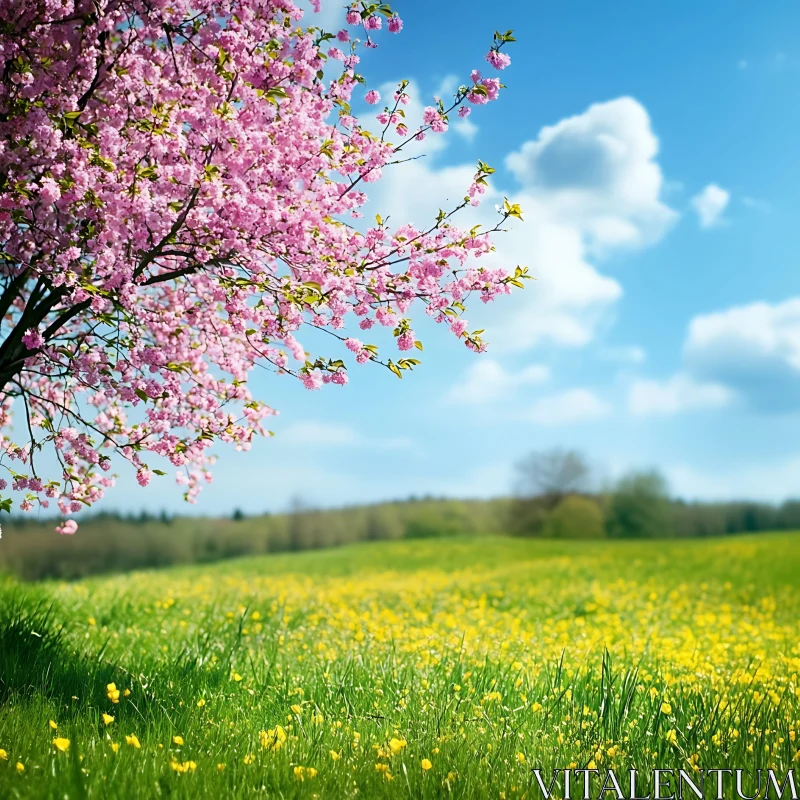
[640,507]
[575,517]
[544,479]
[299,523]
[238,515]
[789,515]
[553,474]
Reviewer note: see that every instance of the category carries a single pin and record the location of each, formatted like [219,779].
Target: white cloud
[598,171]
[590,187]
[321,434]
[625,354]
[754,348]
[465,128]
[678,393]
[570,407]
[773,481]
[710,205]
[486,381]
[330,16]
[756,204]
[747,353]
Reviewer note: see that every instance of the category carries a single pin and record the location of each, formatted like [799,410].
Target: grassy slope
[369,643]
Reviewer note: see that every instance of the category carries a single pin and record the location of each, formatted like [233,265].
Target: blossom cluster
[178,177]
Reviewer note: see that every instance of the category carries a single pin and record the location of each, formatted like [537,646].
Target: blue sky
[654,148]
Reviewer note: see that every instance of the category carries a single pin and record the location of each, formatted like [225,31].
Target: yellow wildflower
[54,725]
[396,745]
[133,741]
[297,709]
[425,764]
[61,744]
[671,736]
[178,740]
[108,719]
[201,702]
[521,758]
[20,767]
[186,766]
[3,755]
[666,708]
[113,692]
[301,773]
[334,755]
[115,746]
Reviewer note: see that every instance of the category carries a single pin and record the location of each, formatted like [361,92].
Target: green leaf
[141,394]
[100,161]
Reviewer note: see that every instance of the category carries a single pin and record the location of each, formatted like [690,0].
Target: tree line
[557,496]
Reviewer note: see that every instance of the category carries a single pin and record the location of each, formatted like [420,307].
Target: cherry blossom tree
[180,184]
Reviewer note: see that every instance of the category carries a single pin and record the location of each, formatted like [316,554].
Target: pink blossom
[372,97]
[353,345]
[497,59]
[143,476]
[464,111]
[49,191]
[429,114]
[353,17]
[32,339]
[373,23]
[458,326]
[67,528]
[395,24]
[311,380]
[406,340]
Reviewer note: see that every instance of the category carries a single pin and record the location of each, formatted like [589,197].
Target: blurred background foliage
[556,496]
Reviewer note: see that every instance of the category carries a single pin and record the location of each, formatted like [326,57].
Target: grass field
[410,669]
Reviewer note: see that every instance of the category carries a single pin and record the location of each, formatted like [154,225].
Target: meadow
[424,668]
